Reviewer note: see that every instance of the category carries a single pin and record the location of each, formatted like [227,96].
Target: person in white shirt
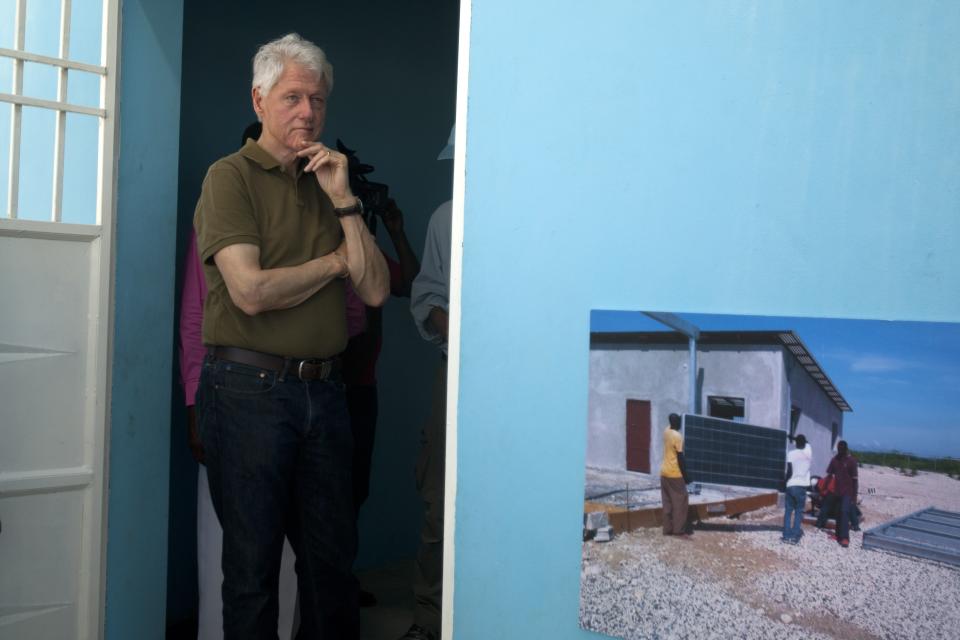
[797,483]
[430,306]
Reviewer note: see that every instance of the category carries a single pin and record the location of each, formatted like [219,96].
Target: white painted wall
[749,372]
[768,378]
[658,374]
[818,412]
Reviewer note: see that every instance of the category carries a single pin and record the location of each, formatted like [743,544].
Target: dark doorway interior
[727,408]
[395,69]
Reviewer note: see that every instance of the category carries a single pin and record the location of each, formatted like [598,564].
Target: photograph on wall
[771,477]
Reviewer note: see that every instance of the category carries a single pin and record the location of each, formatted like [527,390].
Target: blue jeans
[843,520]
[793,500]
[843,510]
[278,454]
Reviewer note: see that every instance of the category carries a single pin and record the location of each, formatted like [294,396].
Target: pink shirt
[191,321]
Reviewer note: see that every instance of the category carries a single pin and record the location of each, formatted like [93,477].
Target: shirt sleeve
[224,213]
[431,287]
[191,322]
[677,441]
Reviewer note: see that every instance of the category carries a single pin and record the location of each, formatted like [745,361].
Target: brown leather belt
[304,369]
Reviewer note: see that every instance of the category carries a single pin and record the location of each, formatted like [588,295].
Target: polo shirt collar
[258,154]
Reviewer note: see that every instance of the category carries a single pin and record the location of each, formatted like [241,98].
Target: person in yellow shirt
[673,481]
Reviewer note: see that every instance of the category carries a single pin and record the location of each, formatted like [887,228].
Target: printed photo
[771,477]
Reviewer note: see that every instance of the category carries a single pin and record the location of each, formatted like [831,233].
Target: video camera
[374,195]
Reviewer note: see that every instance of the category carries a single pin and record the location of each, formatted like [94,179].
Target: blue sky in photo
[902,379]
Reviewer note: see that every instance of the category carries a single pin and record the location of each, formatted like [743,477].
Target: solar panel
[726,452]
[932,533]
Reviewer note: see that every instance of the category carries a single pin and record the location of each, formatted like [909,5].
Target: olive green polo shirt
[247,198]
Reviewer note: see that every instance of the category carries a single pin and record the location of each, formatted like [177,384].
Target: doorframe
[453,342]
[103,329]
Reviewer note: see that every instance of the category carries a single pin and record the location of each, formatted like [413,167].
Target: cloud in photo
[870,363]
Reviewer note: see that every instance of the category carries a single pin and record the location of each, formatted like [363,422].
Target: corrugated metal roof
[787,339]
[932,533]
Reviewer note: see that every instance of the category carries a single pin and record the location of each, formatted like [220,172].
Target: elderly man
[278,231]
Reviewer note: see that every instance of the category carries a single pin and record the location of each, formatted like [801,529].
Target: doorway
[394,97]
[638,435]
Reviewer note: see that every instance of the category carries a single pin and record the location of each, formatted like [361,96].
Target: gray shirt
[431,288]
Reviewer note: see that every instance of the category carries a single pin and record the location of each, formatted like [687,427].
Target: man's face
[293,111]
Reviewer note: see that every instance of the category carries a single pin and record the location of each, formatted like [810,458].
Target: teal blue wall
[149,115]
[765,157]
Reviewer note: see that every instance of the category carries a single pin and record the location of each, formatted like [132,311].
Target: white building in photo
[763,378]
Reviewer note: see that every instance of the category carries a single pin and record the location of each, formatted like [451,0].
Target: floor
[387,621]
[393,614]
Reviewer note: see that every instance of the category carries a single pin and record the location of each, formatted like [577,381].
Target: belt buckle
[325,367]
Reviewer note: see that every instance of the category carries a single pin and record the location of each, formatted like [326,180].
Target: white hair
[269,61]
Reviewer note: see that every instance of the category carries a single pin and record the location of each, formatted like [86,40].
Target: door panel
[52,383]
[638,435]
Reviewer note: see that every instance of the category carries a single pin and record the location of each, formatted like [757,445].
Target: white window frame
[105,113]
[727,396]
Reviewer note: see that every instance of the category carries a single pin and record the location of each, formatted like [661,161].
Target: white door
[56,156]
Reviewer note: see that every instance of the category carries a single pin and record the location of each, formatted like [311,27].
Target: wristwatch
[356,209]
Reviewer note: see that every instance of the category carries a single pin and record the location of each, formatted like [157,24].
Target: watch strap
[355,209]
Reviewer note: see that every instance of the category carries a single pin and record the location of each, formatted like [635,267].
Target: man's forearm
[682,464]
[288,287]
[255,290]
[439,320]
[365,263]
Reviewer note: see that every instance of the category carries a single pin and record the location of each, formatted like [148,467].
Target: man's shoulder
[232,173]
[442,217]
[235,162]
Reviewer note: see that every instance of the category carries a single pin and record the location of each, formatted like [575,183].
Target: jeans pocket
[241,379]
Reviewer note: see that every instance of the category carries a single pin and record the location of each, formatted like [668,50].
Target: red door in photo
[638,435]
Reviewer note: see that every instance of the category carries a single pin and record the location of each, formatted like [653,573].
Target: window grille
[56,98]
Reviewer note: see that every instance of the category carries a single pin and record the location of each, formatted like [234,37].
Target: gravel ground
[735,579]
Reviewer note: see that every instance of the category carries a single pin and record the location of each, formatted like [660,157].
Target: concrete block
[596,519]
[604,534]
